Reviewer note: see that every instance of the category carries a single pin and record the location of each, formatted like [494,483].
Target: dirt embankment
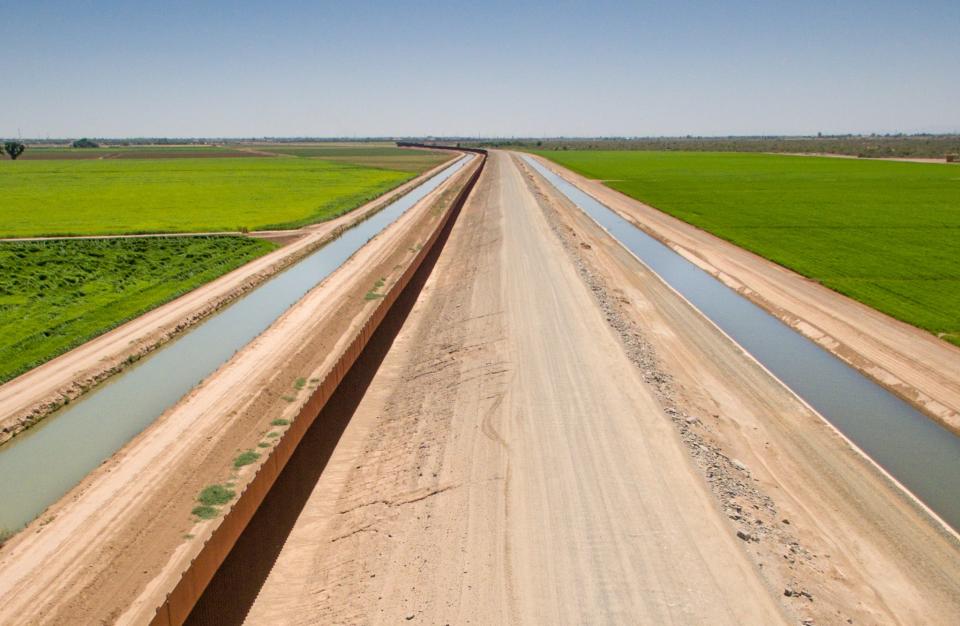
[822,523]
[556,436]
[917,366]
[110,548]
[29,398]
[508,464]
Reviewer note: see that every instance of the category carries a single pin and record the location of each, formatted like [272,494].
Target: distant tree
[85,143]
[14,149]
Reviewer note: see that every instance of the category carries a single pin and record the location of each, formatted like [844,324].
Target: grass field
[113,196]
[34,153]
[55,295]
[870,146]
[369,155]
[884,233]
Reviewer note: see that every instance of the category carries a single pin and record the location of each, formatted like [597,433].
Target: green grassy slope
[884,233]
[180,195]
[56,295]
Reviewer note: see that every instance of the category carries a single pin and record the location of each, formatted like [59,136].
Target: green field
[34,153]
[370,155]
[55,295]
[885,233]
[111,196]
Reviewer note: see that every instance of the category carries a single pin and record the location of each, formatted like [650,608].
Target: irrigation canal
[920,454]
[43,463]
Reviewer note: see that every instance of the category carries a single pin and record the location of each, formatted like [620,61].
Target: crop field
[370,155]
[55,295]
[116,196]
[867,146]
[43,153]
[884,233]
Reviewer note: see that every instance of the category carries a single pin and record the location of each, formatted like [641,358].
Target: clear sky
[288,67]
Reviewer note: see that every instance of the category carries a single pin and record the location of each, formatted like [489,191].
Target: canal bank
[921,455]
[44,462]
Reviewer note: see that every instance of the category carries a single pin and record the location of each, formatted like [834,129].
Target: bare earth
[557,437]
[914,364]
[29,397]
[110,548]
[519,471]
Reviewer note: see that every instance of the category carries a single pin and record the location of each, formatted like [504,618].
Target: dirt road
[510,464]
[912,363]
[31,396]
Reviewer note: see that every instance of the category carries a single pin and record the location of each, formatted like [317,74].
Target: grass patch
[280,422]
[289,398]
[246,458]
[205,512]
[299,383]
[216,495]
[56,295]
[884,233]
[263,444]
[372,294]
[111,196]
[273,435]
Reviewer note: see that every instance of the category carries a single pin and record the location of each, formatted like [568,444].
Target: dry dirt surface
[510,464]
[31,396]
[914,364]
[109,550]
[557,437]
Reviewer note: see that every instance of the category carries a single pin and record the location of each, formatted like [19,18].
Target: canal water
[922,455]
[40,465]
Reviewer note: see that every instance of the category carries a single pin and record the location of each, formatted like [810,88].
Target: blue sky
[287,67]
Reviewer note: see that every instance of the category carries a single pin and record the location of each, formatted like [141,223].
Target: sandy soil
[510,464]
[112,546]
[33,395]
[912,363]
[557,437]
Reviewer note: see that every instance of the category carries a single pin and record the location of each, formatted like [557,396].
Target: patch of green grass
[884,233]
[55,295]
[246,458]
[273,435]
[205,512]
[299,383]
[280,422]
[111,196]
[216,495]
[289,398]
[263,444]
[372,294]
